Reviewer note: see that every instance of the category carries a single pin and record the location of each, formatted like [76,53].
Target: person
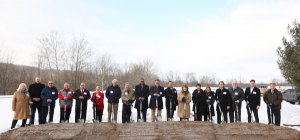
[199,99]
[97,100]
[81,95]
[128,98]
[35,91]
[65,95]
[210,98]
[113,94]
[252,97]
[237,96]
[141,94]
[156,91]
[184,97]
[223,98]
[170,93]
[20,105]
[49,95]
[273,99]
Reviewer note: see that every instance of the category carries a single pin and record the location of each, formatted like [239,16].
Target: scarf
[23,93]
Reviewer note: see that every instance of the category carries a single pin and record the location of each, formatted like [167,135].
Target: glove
[183,99]
[207,100]
[95,103]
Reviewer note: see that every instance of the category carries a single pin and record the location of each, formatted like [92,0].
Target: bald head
[234,84]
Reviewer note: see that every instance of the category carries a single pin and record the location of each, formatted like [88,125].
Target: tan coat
[126,97]
[20,105]
[180,110]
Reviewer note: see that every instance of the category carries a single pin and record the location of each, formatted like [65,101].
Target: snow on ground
[289,113]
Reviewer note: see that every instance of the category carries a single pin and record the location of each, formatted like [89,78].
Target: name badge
[53,93]
[224,93]
[69,92]
[126,93]
[254,92]
[27,95]
[160,93]
[236,93]
[84,93]
[111,91]
[99,96]
[209,97]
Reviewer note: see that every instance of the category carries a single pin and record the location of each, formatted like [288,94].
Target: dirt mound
[148,130]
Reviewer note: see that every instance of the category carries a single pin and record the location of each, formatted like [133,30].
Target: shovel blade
[131,121]
[95,121]
[80,120]
[170,119]
[158,118]
[185,120]
[140,120]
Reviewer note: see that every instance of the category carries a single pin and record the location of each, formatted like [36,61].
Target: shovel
[65,111]
[184,113]
[237,113]
[131,121]
[49,103]
[96,119]
[171,105]
[141,117]
[222,115]
[157,118]
[250,113]
[271,115]
[30,105]
[112,114]
[209,109]
[195,113]
[80,120]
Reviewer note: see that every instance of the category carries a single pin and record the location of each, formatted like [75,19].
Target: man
[273,99]
[171,93]
[223,98]
[35,91]
[127,99]
[198,97]
[156,92]
[141,94]
[65,95]
[252,97]
[113,94]
[83,95]
[237,96]
[49,95]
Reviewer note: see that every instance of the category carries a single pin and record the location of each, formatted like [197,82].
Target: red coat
[99,100]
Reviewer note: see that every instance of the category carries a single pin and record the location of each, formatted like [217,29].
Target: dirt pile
[162,130]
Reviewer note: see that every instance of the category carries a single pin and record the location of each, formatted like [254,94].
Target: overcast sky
[227,37]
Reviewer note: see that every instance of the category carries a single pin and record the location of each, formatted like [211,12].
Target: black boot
[13,125]
[23,122]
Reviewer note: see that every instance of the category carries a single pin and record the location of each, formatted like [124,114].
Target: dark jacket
[171,93]
[141,93]
[86,95]
[152,104]
[48,93]
[237,94]
[253,98]
[211,97]
[113,93]
[35,91]
[224,97]
[200,99]
[275,99]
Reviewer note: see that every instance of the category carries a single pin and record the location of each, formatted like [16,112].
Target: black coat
[224,97]
[200,99]
[141,93]
[237,94]
[113,93]
[210,97]
[35,91]
[86,97]
[152,104]
[253,98]
[171,94]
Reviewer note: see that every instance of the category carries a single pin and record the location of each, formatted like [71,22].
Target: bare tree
[104,67]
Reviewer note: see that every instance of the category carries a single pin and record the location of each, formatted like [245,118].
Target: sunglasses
[50,83]
[142,81]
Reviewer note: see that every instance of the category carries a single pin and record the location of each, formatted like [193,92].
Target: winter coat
[86,95]
[275,99]
[35,91]
[180,111]
[199,99]
[224,97]
[152,104]
[211,97]
[171,93]
[237,94]
[139,92]
[99,100]
[65,93]
[113,93]
[253,98]
[127,96]
[20,105]
[49,93]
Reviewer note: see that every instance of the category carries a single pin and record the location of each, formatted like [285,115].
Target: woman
[97,100]
[20,105]
[199,99]
[209,98]
[184,97]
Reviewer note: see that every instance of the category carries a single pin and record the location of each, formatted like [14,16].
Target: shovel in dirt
[95,120]
[65,111]
[157,118]
[30,106]
[237,113]
[112,120]
[141,114]
[209,109]
[271,115]
[195,113]
[222,115]
[171,105]
[250,113]
[49,122]
[131,121]
[80,120]
[184,113]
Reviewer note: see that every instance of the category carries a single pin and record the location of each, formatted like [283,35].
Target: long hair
[19,88]
[209,90]
[187,91]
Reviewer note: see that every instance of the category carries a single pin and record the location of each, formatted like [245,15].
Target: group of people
[42,98]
